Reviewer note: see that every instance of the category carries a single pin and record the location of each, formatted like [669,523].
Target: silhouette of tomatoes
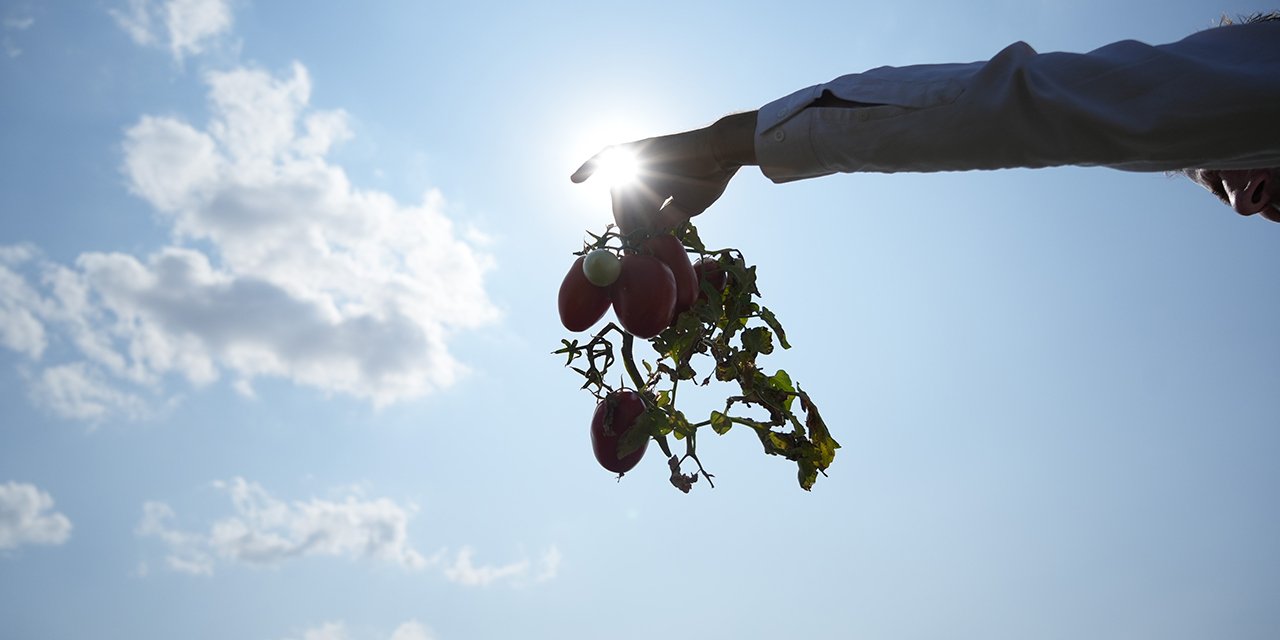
[615,416]
[644,296]
[581,303]
[709,269]
[670,251]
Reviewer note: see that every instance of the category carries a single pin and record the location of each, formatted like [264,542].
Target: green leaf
[818,432]
[767,316]
[681,426]
[757,340]
[781,382]
[720,422]
[778,443]
[646,425]
[689,237]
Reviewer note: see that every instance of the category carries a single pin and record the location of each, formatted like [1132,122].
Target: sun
[617,167]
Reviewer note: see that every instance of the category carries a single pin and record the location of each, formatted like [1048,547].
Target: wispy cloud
[184,27]
[463,571]
[12,23]
[265,531]
[298,275]
[27,517]
[337,630]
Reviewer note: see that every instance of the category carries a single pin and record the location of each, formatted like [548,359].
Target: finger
[587,169]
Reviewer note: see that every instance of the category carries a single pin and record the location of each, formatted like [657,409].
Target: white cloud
[187,552]
[337,630]
[20,330]
[79,391]
[300,275]
[27,517]
[266,531]
[19,23]
[14,22]
[412,630]
[520,573]
[185,27]
[327,631]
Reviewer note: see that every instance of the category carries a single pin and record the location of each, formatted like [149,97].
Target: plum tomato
[581,303]
[614,417]
[709,269]
[644,296]
[668,249]
[602,267]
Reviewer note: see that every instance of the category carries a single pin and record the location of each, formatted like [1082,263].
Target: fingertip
[583,172]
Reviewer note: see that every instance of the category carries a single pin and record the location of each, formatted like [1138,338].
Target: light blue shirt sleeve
[1211,100]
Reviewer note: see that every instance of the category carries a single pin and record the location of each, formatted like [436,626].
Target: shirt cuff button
[779,135]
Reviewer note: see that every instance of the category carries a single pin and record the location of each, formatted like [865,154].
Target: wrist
[733,140]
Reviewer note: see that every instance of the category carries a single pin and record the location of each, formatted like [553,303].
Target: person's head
[1247,191]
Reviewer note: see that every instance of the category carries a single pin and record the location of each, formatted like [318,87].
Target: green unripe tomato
[601,267]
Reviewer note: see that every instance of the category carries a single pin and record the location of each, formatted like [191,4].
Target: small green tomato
[601,267]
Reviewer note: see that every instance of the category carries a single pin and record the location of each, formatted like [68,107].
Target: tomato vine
[728,326]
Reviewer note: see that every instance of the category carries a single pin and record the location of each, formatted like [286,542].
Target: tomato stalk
[629,361]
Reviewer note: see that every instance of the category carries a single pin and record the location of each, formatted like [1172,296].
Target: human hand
[679,175]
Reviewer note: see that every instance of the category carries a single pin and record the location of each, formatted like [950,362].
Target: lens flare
[617,167]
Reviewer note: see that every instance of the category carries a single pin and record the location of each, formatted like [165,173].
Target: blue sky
[277,304]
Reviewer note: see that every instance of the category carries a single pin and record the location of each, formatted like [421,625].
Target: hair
[1197,175]
[1265,16]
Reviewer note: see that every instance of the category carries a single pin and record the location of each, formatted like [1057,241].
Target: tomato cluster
[688,314]
[650,287]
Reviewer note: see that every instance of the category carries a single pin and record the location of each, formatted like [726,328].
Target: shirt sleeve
[1211,100]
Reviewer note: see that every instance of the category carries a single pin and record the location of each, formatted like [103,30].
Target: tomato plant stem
[629,361]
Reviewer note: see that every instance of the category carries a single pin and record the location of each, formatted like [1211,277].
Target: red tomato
[614,417]
[581,303]
[668,249]
[644,296]
[709,269]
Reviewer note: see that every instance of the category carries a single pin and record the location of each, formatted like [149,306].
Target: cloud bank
[27,517]
[280,267]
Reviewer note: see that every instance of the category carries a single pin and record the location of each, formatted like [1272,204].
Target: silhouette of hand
[678,176]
